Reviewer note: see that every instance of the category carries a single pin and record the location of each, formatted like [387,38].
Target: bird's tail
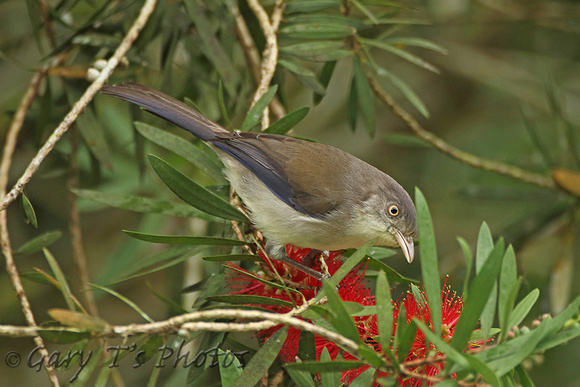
[167,108]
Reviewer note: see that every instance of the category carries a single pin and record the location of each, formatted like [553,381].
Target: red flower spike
[352,288]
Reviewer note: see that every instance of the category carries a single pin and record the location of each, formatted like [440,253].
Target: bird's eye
[393,210]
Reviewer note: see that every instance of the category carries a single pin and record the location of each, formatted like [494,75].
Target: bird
[298,192]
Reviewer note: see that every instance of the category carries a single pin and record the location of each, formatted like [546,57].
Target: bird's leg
[279,253]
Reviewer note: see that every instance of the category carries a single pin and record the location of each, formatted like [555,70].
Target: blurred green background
[508,90]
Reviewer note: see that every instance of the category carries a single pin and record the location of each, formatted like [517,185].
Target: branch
[270,54]
[9,147]
[186,323]
[465,157]
[80,105]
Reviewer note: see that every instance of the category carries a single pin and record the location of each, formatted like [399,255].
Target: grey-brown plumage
[299,192]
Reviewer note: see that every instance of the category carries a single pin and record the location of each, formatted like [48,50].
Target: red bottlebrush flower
[352,288]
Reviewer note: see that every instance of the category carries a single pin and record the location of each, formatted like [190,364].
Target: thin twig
[45,10]
[78,250]
[465,157]
[9,148]
[270,54]
[80,105]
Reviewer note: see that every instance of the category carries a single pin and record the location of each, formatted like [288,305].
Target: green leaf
[317,31]
[416,42]
[384,313]
[38,243]
[261,280]
[350,263]
[324,79]
[285,124]
[248,299]
[184,240]
[525,379]
[401,53]
[230,367]
[558,339]
[406,338]
[89,369]
[323,367]
[392,275]
[303,74]
[484,247]
[29,215]
[327,20]
[307,347]
[54,332]
[143,205]
[339,318]
[232,257]
[193,193]
[319,51]
[255,114]
[183,148]
[352,106]
[405,89]
[59,275]
[222,103]
[451,353]
[262,360]
[429,266]
[364,10]
[213,47]
[125,300]
[301,378]
[328,378]
[365,379]
[468,262]
[477,297]
[508,306]
[523,308]
[365,96]
[308,6]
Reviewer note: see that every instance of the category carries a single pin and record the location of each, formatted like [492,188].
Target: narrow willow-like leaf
[89,369]
[477,297]
[412,58]
[54,332]
[365,11]
[38,243]
[385,316]
[417,42]
[317,31]
[222,104]
[406,338]
[352,106]
[365,379]
[324,77]
[328,378]
[232,257]
[365,96]
[524,378]
[392,275]
[308,6]
[79,320]
[405,89]
[523,308]
[262,360]
[255,114]
[323,367]
[261,280]
[452,353]
[130,303]
[193,193]
[484,247]
[143,205]
[327,20]
[341,320]
[429,265]
[350,263]
[507,279]
[301,378]
[321,51]
[59,275]
[468,262]
[183,148]
[230,367]
[30,215]
[508,307]
[285,124]
[184,240]
[247,299]
[213,47]
[307,347]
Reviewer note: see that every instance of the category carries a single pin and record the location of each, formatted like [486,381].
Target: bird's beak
[406,243]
